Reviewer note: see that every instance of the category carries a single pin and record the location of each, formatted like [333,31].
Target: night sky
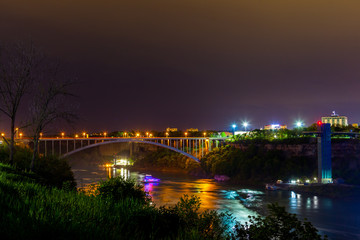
[150,64]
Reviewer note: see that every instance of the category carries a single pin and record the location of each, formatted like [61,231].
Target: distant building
[275,127]
[240,132]
[192,130]
[225,134]
[355,125]
[335,120]
[169,129]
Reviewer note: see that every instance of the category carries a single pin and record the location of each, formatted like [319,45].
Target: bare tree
[49,104]
[18,64]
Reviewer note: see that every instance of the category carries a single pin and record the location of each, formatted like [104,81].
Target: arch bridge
[192,147]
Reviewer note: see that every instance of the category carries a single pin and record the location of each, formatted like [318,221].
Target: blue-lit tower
[324,153]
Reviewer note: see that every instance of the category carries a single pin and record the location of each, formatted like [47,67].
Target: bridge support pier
[324,154]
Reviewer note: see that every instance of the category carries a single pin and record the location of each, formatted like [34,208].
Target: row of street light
[298,124]
[125,134]
[244,124]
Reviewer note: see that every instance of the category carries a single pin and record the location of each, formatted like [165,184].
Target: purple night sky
[201,63]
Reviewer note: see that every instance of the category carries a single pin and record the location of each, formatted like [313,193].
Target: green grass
[29,210]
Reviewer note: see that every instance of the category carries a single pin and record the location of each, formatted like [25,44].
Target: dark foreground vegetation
[49,171]
[119,209]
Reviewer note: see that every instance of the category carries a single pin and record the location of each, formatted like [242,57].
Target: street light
[245,124]
[299,124]
[185,134]
[234,127]
[3,134]
[105,133]
[41,134]
[124,134]
[62,134]
[147,134]
[20,134]
[138,135]
[167,134]
[76,136]
[204,134]
[84,134]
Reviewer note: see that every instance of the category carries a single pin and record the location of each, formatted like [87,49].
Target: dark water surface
[338,218]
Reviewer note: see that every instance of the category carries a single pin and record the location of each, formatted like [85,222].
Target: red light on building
[319,123]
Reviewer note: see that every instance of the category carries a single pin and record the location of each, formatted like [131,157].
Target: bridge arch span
[134,141]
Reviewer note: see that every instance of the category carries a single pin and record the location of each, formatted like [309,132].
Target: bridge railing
[196,146]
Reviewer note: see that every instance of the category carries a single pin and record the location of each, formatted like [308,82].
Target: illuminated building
[169,129]
[336,120]
[275,127]
[192,130]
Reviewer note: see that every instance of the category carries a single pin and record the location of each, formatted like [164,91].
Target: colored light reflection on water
[337,218]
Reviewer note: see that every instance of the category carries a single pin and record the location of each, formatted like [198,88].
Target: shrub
[279,224]
[51,170]
[120,188]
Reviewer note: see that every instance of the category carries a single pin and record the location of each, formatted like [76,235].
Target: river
[337,218]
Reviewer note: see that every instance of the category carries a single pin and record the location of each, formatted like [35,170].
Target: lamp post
[234,127]
[186,134]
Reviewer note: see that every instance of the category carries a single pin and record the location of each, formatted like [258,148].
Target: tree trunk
[35,152]
[12,141]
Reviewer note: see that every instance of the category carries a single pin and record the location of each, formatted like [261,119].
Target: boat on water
[271,187]
[150,179]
